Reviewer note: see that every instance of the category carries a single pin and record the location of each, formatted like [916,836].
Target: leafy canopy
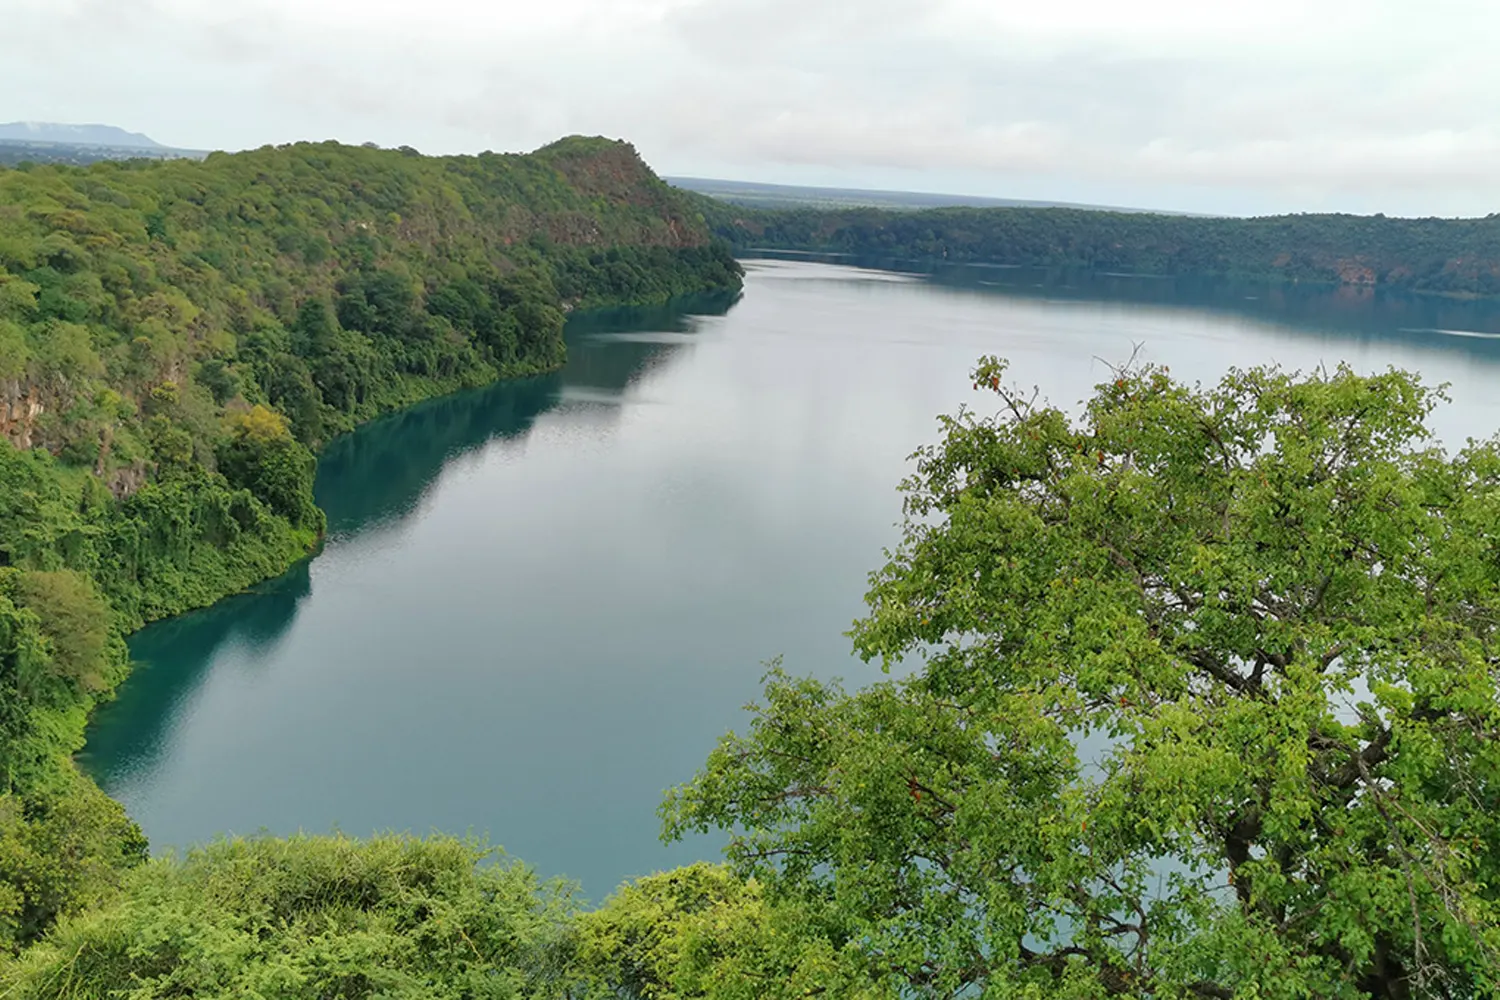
[310,918]
[699,931]
[1201,702]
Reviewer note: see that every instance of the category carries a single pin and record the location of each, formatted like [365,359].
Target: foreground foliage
[1203,703]
[312,918]
[63,849]
[700,931]
[439,919]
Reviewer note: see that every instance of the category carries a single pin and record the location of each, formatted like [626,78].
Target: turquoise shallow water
[541,603]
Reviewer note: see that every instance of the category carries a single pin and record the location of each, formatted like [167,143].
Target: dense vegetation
[402,919]
[1207,706]
[1198,693]
[1451,256]
[1199,701]
[312,918]
[178,339]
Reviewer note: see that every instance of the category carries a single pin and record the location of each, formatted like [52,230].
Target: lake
[540,604]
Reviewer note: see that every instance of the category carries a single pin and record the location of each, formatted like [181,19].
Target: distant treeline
[796,196]
[178,338]
[15,152]
[1450,256]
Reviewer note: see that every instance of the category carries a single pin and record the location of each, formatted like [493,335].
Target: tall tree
[1201,702]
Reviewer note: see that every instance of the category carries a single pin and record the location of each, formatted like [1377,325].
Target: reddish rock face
[21,404]
[612,171]
[1353,272]
[126,480]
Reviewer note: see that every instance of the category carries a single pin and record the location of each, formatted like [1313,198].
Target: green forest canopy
[1204,704]
[175,338]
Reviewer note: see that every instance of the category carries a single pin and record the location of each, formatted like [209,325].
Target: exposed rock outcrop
[22,403]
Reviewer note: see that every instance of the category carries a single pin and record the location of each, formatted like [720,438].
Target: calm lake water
[542,603]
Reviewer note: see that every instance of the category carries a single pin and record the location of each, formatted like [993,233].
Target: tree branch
[1374,754]
[1203,661]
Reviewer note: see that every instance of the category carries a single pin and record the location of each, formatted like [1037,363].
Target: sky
[1190,105]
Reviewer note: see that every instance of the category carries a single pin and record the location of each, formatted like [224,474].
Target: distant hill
[1459,257]
[755,195]
[80,145]
[77,135]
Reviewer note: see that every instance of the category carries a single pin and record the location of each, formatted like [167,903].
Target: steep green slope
[158,322]
[177,339]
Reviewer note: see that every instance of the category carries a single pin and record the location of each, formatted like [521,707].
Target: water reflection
[372,479]
[172,659]
[1364,313]
[379,474]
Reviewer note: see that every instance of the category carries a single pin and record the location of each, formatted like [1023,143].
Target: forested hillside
[1451,256]
[178,339]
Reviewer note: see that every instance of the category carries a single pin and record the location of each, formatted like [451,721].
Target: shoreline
[316,548]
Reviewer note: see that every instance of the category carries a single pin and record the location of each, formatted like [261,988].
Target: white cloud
[1283,104]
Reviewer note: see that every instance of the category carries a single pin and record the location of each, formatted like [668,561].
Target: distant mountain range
[76,135]
[80,145]
[755,195]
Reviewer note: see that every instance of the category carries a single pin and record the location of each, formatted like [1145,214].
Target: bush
[312,917]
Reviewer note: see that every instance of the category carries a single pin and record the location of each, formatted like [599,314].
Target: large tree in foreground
[1200,701]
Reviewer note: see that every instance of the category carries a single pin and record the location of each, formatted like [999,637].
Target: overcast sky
[1200,105]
